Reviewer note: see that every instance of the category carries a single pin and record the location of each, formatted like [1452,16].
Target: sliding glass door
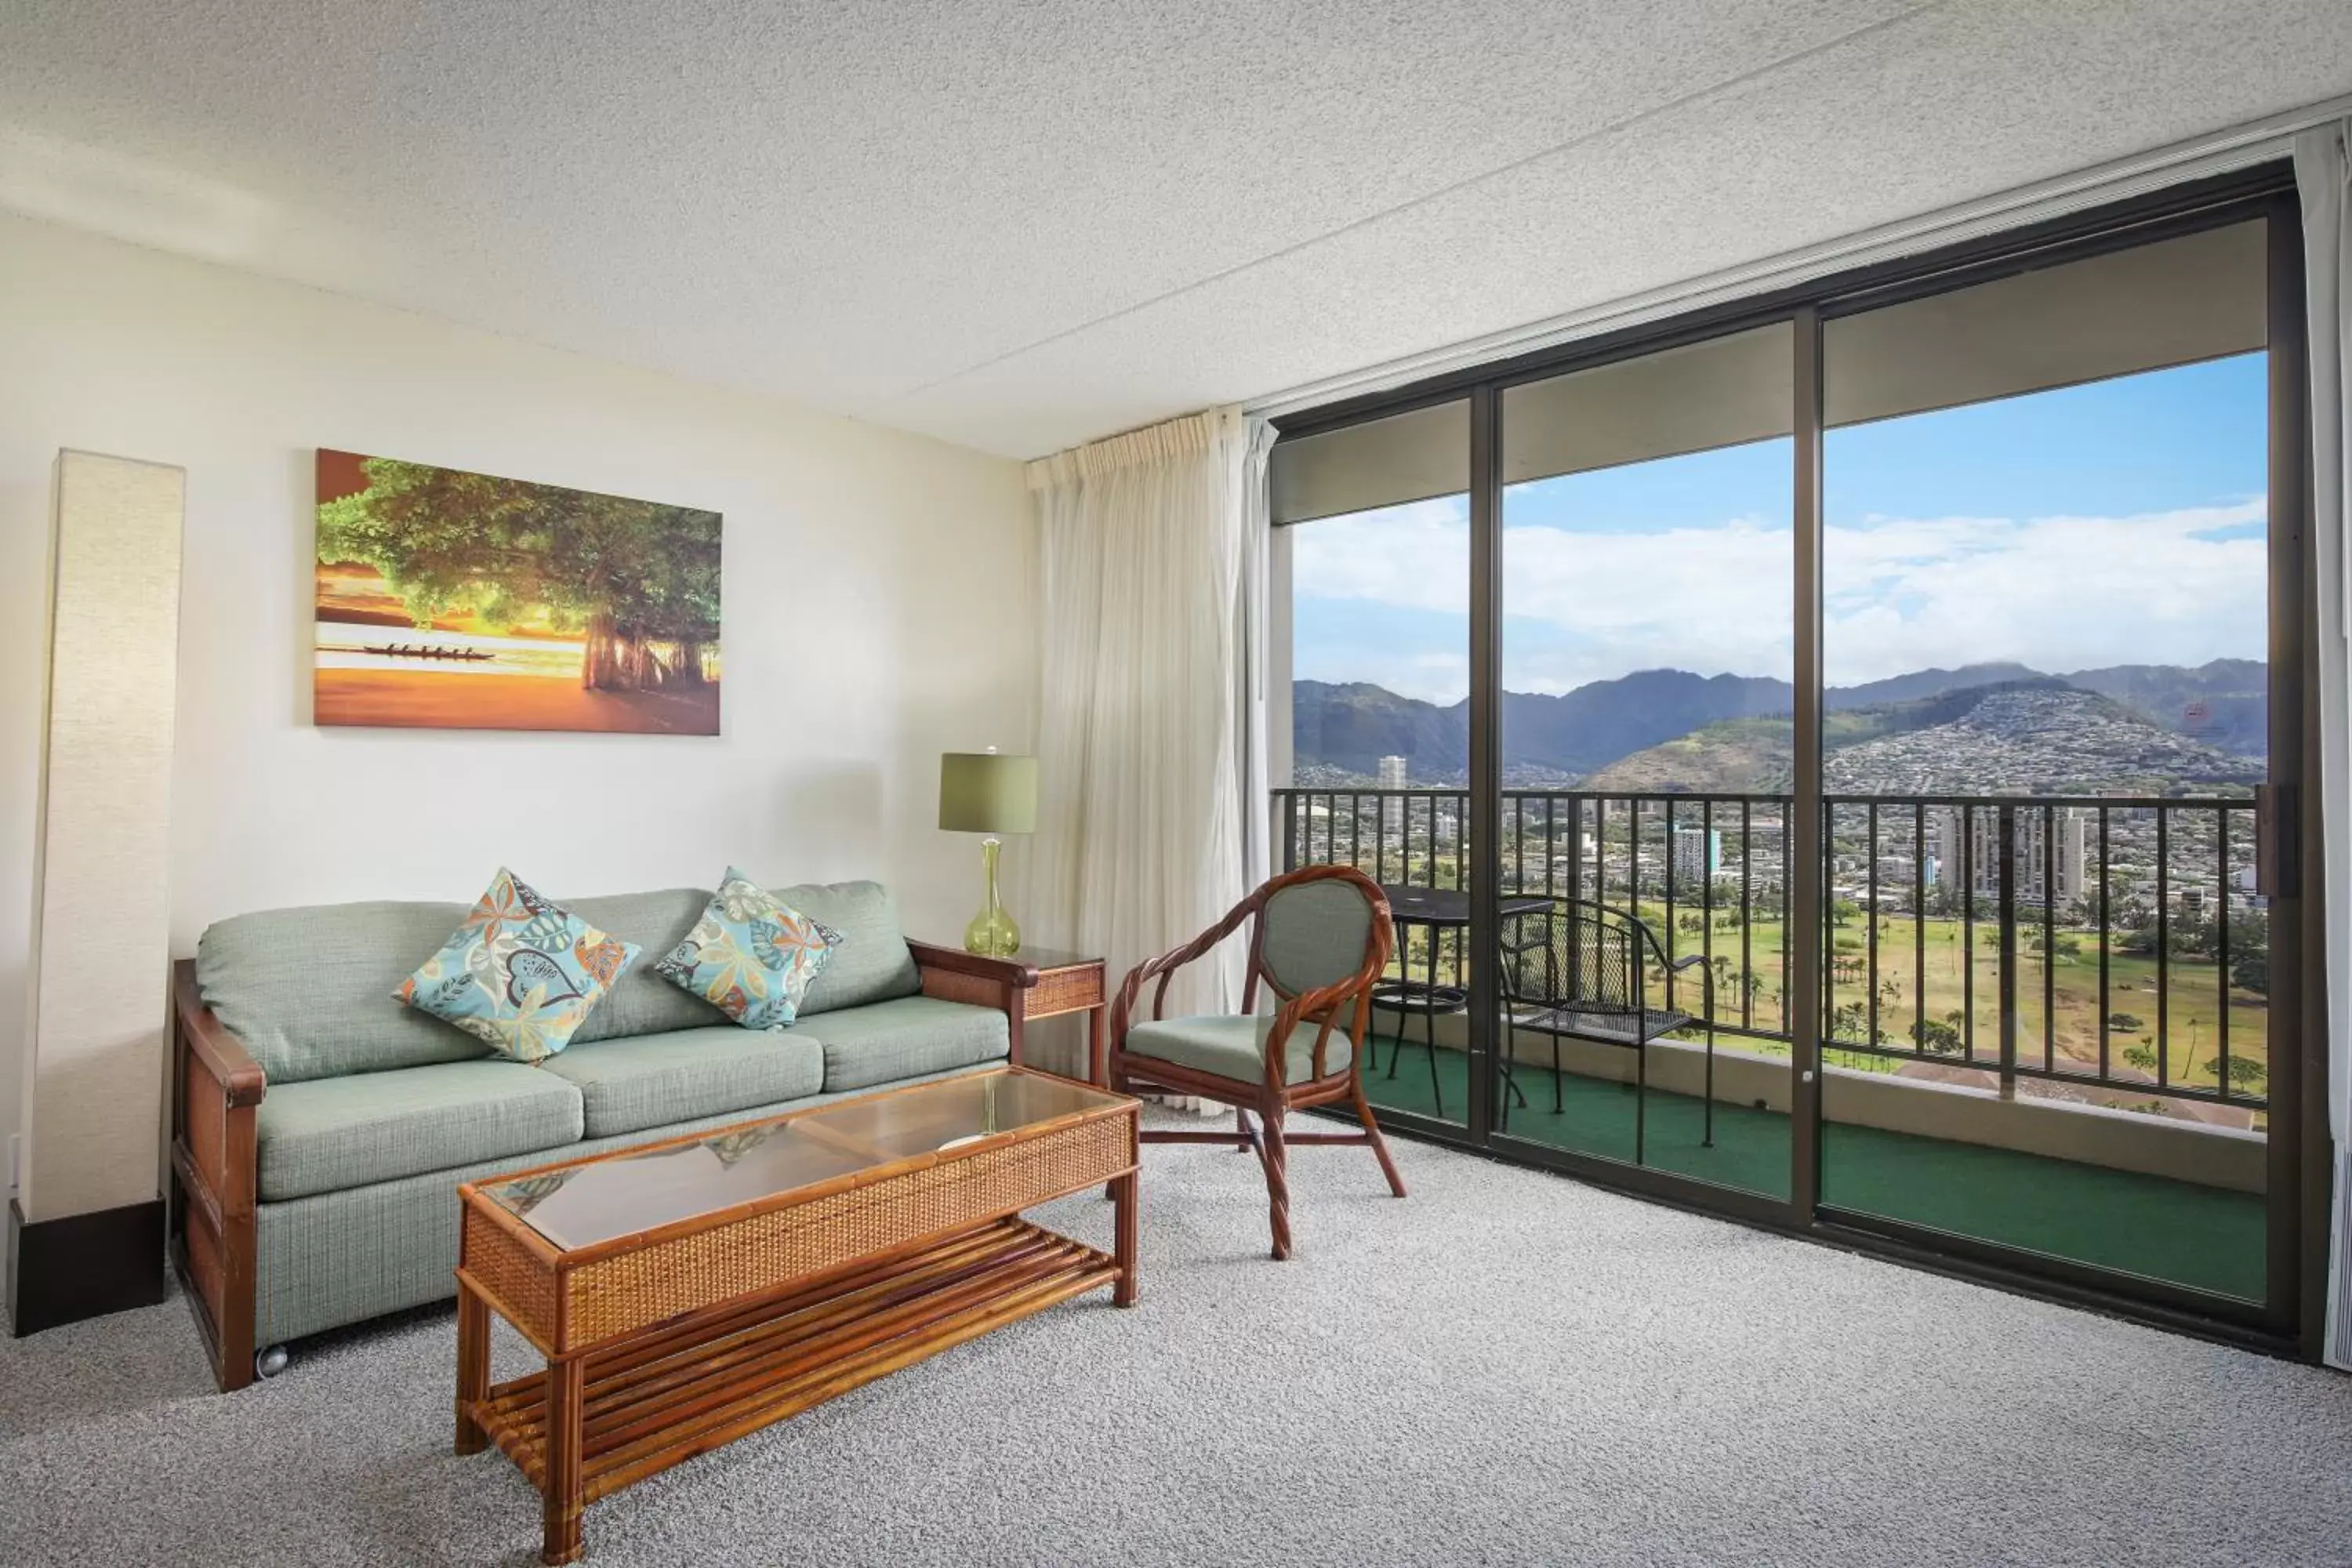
[1373,564]
[1838,763]
[1647,661]
[2049,567]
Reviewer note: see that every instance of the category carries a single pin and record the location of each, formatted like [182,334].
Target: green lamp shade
[985,792]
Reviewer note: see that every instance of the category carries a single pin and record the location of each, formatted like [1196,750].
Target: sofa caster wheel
[270,1362]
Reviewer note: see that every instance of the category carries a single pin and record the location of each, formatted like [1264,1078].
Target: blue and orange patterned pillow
[750,957]
[523,972]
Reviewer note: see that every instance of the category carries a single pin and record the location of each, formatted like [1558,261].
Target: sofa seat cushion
[885,1041]
[652,1080]
[324,1135]
[1235,1047]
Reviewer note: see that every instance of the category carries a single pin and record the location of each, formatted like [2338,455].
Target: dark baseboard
[83,1265]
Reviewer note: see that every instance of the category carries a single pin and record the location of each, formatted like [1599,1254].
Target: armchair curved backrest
[1315,932]
[1319,939]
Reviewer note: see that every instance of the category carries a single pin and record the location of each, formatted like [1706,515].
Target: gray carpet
[1505,1367]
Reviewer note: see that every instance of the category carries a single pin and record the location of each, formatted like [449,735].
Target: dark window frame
[2290,1320]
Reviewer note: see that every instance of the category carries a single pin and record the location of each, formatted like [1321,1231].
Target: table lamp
[987,792]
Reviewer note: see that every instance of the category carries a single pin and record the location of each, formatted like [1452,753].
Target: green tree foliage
[1851,1021]
[2246,1074]
[640,579]
[2249,970]
[2030,943]
[1936,1039]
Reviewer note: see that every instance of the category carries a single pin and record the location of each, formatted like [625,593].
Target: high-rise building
[1698,855]
[2063,859]
[1392,777]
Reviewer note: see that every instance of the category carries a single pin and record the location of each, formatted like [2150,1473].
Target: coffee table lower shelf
[666,1396]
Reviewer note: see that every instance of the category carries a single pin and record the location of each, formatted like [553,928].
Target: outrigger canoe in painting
[402,651]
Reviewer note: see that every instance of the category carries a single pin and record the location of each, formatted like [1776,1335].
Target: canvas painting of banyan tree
[456,601]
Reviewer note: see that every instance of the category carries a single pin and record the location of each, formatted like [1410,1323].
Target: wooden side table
[1036,982]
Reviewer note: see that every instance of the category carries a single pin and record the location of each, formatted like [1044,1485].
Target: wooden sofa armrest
[1000,985]
[208,1042]
[216,1085]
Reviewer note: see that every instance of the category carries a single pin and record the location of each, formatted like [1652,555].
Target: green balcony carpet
[2208,1238]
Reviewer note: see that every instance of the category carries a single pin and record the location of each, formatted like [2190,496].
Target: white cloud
[1413,557]
[2056,592]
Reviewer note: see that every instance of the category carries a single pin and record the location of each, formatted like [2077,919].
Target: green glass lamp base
[991,933]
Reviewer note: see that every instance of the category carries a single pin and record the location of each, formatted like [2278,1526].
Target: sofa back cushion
[309,991]
[641,1002]
[872,963]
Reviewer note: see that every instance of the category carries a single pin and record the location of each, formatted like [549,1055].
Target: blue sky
[2120,522]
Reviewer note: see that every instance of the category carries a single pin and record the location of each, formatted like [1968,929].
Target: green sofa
[320,1128]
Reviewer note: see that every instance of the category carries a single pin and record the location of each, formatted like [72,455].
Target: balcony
[2044,1018]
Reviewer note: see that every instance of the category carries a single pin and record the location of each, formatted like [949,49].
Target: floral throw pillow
[750,957]
[523,972]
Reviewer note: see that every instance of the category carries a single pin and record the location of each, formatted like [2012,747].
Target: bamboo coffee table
[692,1292]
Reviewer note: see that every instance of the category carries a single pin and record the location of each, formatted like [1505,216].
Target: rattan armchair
[1319,939]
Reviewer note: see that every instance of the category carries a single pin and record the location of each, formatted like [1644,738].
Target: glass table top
[619,1194]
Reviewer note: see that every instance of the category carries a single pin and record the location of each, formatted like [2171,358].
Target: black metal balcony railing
[2104,943]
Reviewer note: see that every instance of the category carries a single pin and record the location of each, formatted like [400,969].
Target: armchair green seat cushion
[1235,1047]
[904,1037]
[652,1080]
[322,1134]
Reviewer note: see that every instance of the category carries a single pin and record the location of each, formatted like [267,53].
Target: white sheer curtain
[1152,734]
[2323,173]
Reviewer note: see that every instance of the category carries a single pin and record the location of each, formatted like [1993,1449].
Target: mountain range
[2128,722]
[2039,737]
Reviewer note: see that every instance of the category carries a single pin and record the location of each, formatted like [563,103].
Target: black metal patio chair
[1584,971]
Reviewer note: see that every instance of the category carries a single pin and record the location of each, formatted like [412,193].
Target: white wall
[879,607]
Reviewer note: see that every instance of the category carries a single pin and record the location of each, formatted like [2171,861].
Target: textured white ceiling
[1019,223]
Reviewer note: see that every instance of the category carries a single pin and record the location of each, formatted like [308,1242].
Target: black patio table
[1438,909]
